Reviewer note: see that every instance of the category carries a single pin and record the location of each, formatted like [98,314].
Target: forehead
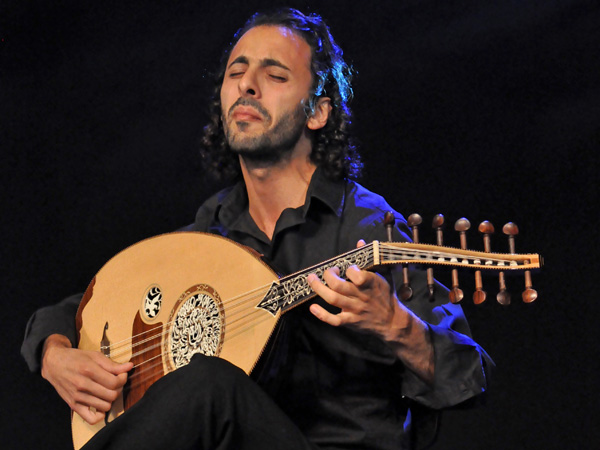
[273,42]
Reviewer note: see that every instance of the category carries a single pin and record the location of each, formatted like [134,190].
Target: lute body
[190,271]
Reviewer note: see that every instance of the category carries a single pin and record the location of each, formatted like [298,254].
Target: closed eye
[278,78]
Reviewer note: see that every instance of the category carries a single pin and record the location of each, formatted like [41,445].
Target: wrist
[56,340]
[410,340]
[403,327]
[52,342]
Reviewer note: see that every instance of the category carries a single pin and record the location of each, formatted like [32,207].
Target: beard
[270,146]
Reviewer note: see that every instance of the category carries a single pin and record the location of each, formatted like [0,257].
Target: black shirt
[344,388]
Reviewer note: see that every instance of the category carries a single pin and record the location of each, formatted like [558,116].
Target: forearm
[410,339]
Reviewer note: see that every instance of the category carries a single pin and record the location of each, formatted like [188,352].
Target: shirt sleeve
[462,367]
[54,319]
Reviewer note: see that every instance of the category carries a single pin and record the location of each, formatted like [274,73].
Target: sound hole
[152,302]
[197,326]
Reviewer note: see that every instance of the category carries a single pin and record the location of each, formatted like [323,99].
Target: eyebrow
[267,62]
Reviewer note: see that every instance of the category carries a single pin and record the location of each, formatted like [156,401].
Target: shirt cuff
[460,371]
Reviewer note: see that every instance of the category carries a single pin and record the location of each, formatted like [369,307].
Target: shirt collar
[232,210]
[329,192]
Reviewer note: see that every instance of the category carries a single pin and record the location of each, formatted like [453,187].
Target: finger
[328,293]
[334,281]
[350,287]
[90,416]
[92,401]
[317,285]
[320,313]
[92,379]
[359,278]
[105,377]
[111,366]
[87,389]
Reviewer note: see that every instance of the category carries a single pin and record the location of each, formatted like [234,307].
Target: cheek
[225,97]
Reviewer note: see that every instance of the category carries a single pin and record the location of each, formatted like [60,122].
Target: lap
[207,404]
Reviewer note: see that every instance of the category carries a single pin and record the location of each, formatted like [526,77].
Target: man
[349,369]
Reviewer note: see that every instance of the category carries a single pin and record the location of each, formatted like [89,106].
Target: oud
[164,299]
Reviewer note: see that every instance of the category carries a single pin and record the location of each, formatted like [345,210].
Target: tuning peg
[405,291]
[503,296]
[389,221]
[437,224]
[529,294]
[485,228]
[511,230]
[413,221]
[462,225]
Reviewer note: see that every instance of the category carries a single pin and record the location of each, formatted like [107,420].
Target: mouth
[246,114]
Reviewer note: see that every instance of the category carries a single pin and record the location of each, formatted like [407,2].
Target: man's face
[265,88]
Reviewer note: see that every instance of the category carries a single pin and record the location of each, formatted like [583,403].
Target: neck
[278,186]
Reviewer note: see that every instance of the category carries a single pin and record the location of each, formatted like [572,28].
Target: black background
[484,109]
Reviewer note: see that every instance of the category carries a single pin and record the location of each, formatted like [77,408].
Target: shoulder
[367,210]
[368,205]
[364,198]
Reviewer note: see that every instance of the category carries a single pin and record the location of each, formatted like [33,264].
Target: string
[235,326]
[146,372]
[122,347]
[413,255]
[236,305]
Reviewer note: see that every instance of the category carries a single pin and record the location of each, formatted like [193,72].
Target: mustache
[254,104]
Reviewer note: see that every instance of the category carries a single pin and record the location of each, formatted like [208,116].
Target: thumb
[114,367]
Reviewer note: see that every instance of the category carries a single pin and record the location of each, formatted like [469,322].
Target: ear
[320,115]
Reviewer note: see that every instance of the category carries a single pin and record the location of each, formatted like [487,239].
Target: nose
[248,85]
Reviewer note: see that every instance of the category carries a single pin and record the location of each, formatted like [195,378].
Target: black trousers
[208,404]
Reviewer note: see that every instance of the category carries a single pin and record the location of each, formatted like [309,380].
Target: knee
[205,381]
[210,366]
[209,372]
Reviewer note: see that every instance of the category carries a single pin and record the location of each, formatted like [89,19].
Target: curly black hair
[334,148]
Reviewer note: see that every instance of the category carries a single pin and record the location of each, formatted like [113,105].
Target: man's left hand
[369,303]
[366,299]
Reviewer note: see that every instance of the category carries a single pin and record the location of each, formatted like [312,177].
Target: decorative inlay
[294,288]
[152,302]
[196,325]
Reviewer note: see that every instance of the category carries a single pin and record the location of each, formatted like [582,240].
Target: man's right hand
[88,381]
